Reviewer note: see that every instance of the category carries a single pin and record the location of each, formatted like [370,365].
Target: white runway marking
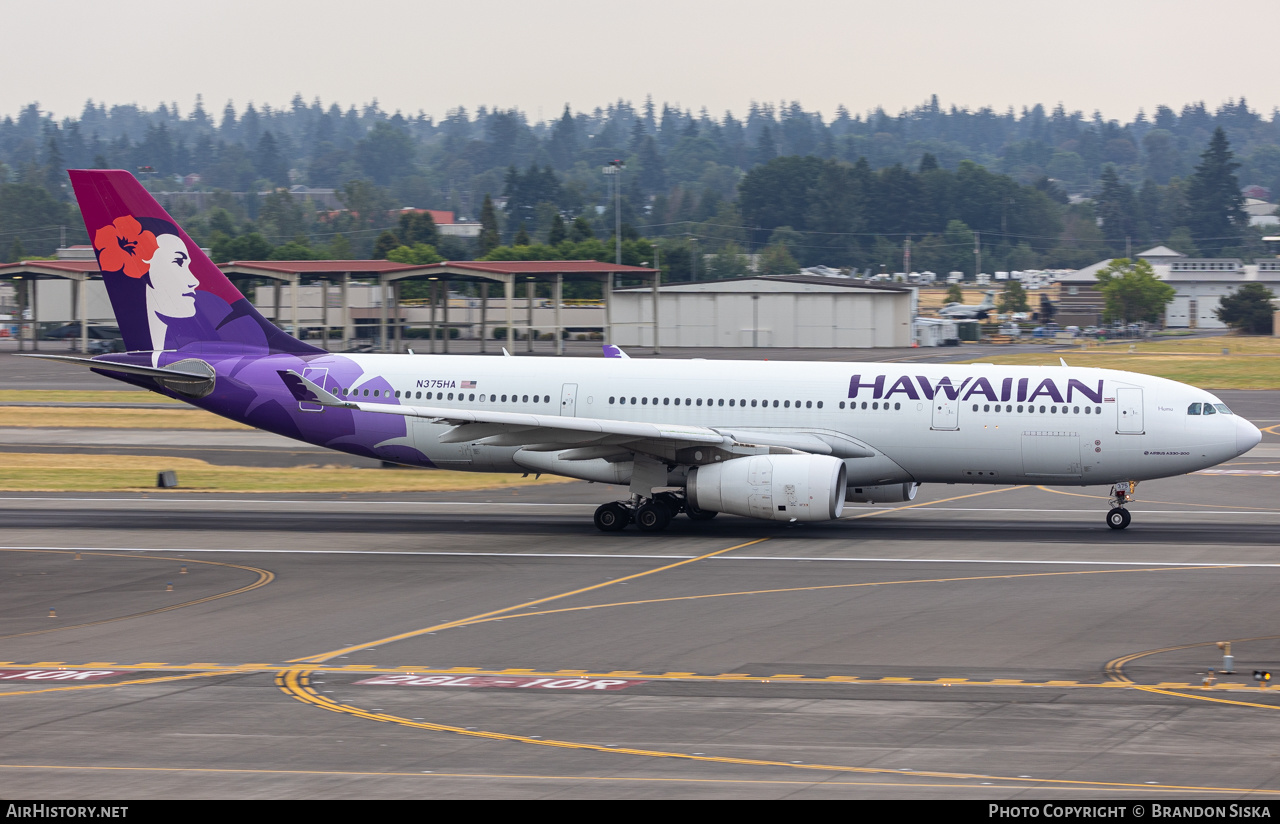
[614,556]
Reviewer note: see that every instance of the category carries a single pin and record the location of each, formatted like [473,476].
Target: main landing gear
[649,515]
[1121,493]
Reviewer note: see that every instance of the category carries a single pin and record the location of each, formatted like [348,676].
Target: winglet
[304,390]
[505,353]
[612,351]
[1062,361]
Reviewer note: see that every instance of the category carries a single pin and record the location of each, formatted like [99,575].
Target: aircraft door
[319,376]
[569,400]
[1129,410]
[946,412]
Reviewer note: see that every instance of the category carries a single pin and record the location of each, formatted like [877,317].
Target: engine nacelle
[886,494]
[772,487]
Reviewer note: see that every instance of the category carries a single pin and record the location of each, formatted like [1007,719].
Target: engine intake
[772,487]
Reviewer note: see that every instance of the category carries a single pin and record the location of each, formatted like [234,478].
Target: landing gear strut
[650,515]
[1121,493]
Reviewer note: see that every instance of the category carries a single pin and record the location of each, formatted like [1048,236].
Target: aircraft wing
[591,437]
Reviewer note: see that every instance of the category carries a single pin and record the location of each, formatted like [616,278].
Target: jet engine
[772,487]
[886,494]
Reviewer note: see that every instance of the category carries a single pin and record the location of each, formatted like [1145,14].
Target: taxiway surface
[992,643]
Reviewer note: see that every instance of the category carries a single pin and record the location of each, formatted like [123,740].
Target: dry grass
[81,418]
[29,472]
[1254,362]
[82,396]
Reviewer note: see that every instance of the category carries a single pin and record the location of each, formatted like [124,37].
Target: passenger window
[753,404]
[742,402]
[677,401]
[1097,410]
[644,401]
[1019,407]
[655,401]
[666,401]
[504,399]
[985,407]
[611,399]
[842,404]
[864,404]
[633,401]
[720,402]
[1075,410]
[526,398]
[450,396]
[1088,409]
[786,404]
[1209,410]
[471,397]
[1053,410]
[808,404]
[688,401]
[731,402]
[775,404]
[1042,410]
[366,393]
[975,407]
[820,404]
[699,401]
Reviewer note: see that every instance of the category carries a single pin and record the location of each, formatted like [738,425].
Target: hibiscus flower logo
[124,246]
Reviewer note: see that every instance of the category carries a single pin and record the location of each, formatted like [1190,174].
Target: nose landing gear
[1121,493]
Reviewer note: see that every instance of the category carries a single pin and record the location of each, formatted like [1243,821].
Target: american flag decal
[1108,400]
[468,384]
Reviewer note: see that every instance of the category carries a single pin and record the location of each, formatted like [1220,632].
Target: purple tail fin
[166,293]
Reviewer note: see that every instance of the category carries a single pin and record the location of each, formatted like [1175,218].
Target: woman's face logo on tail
[173,285]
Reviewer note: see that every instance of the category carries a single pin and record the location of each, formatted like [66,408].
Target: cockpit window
[1209,410]
[1193,409]
[1221,407]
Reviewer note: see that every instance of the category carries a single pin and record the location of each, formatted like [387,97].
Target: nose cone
[1247,436]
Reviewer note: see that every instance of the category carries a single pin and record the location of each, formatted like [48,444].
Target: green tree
[1013,298]
[558,233]
[294,250]
[1248,309]
[522,237]
[489,238]
[728,263]
[776,259]
[418,227]
[269,163]
[385,153]
[580,230]
[384,244]
[1132,291]
[420,254]
[339,248]
[954,294]
[1216,215]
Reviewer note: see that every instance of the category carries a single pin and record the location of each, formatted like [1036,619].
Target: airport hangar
[793,311]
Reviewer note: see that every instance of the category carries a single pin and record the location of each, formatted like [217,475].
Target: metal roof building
[792,311]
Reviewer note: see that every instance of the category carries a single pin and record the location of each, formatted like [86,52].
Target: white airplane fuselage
[975,423]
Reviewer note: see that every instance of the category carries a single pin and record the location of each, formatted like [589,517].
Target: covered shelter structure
[77,272]
[509,273]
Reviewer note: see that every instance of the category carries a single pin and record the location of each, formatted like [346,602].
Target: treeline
[844,191]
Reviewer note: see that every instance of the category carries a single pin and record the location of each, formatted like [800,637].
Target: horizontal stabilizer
[168,374]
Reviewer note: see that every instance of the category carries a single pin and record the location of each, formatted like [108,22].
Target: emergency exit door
[1129,410]
[569,400]
[946,412]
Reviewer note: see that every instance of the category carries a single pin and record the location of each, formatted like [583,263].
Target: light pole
[615,170]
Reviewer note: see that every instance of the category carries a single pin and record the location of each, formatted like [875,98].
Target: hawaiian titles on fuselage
[1008,389]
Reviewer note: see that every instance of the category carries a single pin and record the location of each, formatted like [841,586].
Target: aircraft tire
[612,517]
[653,516]
[696,514]
[1118,518]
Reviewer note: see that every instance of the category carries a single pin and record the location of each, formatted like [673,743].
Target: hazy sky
[1112,55]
